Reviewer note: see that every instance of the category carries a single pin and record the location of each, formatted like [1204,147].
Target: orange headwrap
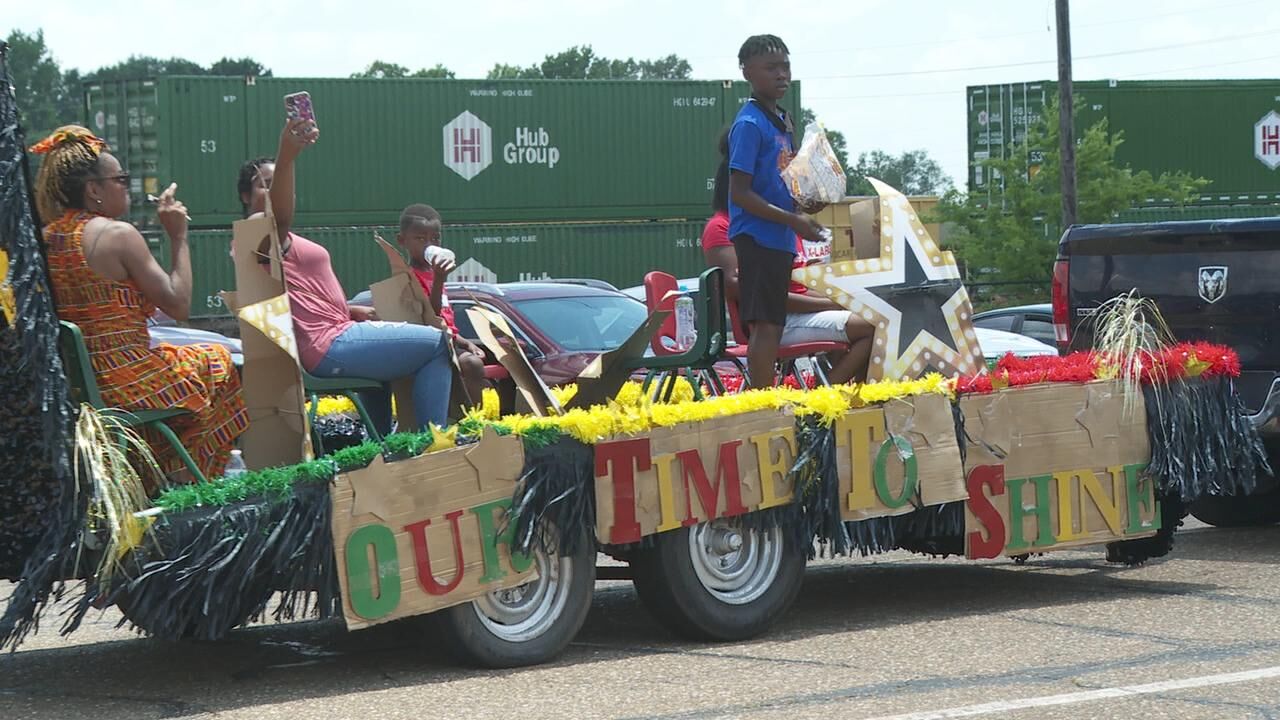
[95,143]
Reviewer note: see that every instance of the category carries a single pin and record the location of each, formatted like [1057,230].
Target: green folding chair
[348,387]
[84,388]
[698,361]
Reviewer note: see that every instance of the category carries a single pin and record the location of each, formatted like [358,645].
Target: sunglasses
[122,178]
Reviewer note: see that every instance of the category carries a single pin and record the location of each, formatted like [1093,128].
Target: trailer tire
[719,582]
[1238,510]
[525,625]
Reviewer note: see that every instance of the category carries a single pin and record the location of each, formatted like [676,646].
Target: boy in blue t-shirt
[763,222]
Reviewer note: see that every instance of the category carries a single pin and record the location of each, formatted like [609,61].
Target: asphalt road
[1064,636]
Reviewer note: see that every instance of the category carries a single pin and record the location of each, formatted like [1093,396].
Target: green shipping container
[185,130]
[620,253]
[1197,212]
[1225,130]
[479,151]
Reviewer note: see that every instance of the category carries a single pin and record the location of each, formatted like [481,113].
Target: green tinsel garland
[277,483]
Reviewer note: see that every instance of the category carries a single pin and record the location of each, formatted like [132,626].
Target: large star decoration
[911,293]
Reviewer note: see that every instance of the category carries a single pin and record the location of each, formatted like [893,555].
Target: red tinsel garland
[1198,359]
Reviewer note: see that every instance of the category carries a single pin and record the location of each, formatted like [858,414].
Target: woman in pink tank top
[335,339]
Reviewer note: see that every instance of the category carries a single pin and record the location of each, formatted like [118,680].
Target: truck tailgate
[1214,281]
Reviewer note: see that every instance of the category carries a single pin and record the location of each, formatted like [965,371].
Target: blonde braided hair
[71,161]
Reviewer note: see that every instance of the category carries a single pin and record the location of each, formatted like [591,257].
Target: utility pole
[1066,108]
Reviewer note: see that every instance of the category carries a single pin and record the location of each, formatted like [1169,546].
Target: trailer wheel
[717,581]
[524,625]
[1238,510]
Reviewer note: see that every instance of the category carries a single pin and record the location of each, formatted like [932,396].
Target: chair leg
[648,380]
[668,386]
[178,447]
[714,382]
[693,380]
[317,442]
[785,368]
[744,372]
[369,428]
[821,371]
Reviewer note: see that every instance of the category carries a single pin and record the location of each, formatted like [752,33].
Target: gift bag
[814,174]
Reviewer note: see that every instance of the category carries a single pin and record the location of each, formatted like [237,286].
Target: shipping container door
[204,138]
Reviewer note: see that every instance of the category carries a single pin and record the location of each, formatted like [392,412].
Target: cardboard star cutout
[911,293]
[995,429]
[498,460]
[924,421]
[1100,417]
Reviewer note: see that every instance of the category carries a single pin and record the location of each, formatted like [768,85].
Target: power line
[885,95]
[1024,33]
[1124,77]
[938,71]
[1204,67]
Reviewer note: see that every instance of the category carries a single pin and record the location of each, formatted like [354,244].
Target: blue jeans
[387,351]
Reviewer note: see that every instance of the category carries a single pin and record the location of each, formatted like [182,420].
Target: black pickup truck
[1214,280]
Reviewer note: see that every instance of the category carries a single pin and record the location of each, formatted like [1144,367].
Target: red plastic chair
[657,286]
[787,354]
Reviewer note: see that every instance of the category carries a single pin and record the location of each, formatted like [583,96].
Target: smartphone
[297,106]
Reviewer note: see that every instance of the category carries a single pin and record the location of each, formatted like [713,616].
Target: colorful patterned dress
[131,374]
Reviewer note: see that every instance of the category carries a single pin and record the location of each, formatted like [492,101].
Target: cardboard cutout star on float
[911,293]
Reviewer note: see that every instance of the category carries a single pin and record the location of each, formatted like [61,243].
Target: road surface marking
[1089,695]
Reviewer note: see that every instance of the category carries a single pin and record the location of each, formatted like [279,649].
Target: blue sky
[890,75]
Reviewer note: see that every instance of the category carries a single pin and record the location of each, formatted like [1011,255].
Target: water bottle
[686,321]
[235,466]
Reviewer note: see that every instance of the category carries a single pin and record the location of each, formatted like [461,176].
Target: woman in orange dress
[106,281]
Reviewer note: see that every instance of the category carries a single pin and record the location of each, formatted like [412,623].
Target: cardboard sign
[400,298]
[894,459]
[1055,466]
[854,236]
[681,476]
[278,432]
[600,381]
[909,289]
[496,335]
[427,533]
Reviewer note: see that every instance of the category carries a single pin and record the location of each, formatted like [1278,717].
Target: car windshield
[587,323]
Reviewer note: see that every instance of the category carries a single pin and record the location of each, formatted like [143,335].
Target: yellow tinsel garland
[632,412]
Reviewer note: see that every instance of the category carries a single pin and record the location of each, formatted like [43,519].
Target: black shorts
[764,276]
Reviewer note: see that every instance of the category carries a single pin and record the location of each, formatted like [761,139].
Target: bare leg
[762,354]
[853,364]
[472,368]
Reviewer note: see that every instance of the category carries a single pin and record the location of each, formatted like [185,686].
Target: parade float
[488,531]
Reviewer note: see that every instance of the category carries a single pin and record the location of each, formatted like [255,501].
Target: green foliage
[503,71]
[379,69]
[239,66]
[146,66]
[48,97]
[439,71]
[913,173]
[581,63]
[1012,235]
